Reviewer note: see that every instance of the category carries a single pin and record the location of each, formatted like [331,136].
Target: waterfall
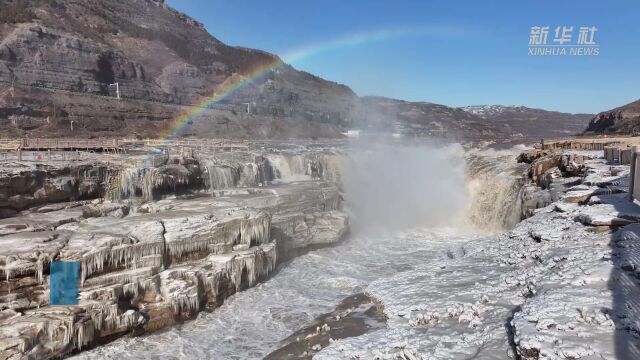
[221,177]
[249,175]
[394,187]
[290,167]
[494,184]
[222,173]
[264,170]
[328,167]
[298,167]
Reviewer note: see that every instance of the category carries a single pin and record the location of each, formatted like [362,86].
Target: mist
[396,187]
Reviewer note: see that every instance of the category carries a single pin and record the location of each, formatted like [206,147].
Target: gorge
[166,235]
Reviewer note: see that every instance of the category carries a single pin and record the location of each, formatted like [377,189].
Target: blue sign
[64,282]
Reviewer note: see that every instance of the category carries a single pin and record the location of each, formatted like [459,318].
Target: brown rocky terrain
[58,59]
[427,119]
[621,120]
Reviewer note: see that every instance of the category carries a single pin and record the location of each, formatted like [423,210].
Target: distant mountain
[621,120]
[502,124]
[531,124]
[428,119]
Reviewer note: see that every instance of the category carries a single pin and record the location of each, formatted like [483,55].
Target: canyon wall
[156,243]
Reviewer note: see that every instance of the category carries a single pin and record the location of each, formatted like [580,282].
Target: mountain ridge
[57,59]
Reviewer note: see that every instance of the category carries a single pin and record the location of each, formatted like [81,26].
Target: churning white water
[413,250]
[289,167]
[251,324]
[392,188]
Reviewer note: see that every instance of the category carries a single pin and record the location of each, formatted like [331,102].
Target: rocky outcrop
[548,173]
[582,304]
[622,120]
[151,259]
[22,188]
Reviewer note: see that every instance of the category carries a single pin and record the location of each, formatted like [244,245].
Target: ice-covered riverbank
[157,241]
[427,247]
[560,285]
[251,325]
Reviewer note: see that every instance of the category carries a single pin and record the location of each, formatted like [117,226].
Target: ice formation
[145,267]
[144,181]
[184,235]
[562,284]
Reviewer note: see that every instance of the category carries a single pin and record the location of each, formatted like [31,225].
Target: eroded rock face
[551,176]
[147,266]
[58,61]
[162,61]
[624,119]
[27,188]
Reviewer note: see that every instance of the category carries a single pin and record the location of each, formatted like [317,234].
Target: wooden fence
[118,144]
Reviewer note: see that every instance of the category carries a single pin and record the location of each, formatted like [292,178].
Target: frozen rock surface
[153,261]
[552,287]
[560,285]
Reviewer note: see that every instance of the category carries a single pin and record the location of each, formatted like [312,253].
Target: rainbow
[175,126]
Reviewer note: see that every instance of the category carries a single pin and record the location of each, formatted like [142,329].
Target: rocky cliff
[621,120]
[156,243]
[57,59]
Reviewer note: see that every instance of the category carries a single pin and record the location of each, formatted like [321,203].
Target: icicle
[96,317]
[42,262]
[254,265]
[118,256]
[145,180]
[253,230]
[85,332]
[127,320]
[186,303]
[212,282]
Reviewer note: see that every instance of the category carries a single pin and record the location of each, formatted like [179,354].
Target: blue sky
[455,52]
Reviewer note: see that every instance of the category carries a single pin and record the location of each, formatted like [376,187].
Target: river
[439,279]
